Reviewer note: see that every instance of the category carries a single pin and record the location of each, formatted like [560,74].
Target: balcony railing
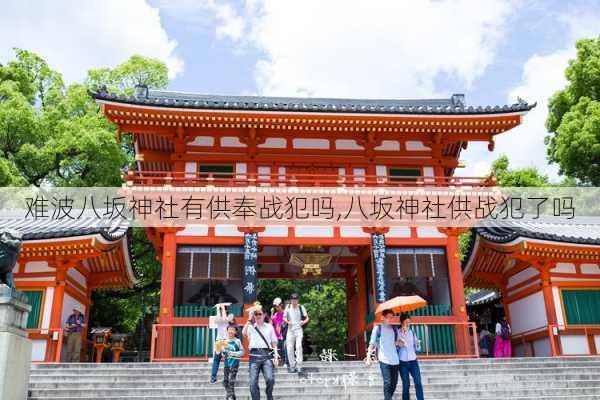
[161,178]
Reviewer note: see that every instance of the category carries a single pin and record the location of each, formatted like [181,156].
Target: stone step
[323,396]
[285,377]
[574,387]
[481,379]
[468,361]
[205,388]
[425,364]
[244,368]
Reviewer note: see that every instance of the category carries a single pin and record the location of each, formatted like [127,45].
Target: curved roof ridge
[454,105]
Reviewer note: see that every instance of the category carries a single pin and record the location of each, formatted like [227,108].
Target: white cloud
[542,76]
[74,36]
[199,15]
[372,49]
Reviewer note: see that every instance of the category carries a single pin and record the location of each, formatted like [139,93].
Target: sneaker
[299,370]
[292,370]
[213,381]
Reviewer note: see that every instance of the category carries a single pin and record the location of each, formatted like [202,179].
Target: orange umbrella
[401,304]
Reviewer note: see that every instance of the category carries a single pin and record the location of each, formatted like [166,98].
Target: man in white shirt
[385,339]
[295,317]
[263,352]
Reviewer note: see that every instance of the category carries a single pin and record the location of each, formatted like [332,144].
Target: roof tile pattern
[581,233]
[34,229]
[453,105]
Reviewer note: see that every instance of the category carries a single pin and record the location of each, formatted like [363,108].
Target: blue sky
[491,50]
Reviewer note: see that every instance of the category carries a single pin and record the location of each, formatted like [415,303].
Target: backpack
[505,331]
[378,335]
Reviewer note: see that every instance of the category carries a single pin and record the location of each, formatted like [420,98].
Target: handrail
[554,330]
[155,178]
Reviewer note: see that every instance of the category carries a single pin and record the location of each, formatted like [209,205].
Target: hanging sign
[378,241]
[250,257]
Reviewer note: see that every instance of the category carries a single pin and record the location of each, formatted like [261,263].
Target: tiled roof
[452,105]
[33,229]
[482,297]
[580,233]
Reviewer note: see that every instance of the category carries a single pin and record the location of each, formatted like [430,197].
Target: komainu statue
[10,245]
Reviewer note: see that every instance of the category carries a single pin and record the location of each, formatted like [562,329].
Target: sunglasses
[258,314]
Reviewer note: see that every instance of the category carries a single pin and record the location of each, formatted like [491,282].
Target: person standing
[278,325]
[409,345]
[295,317]
[74,326]
[232,353]
[384,338]
[222,321]
[502,346]
[485,341]
[263,352]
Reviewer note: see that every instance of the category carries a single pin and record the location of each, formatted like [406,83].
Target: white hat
[277,301]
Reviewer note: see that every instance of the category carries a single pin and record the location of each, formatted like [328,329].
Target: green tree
[53,134]
[521,177]
[325,302]
[125,77]
[574,117]
[50,133]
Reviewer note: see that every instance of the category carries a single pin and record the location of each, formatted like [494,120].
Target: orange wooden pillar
[361,310]
[549,302]
[54,346]
[164,345]
[457,293]
[351,317]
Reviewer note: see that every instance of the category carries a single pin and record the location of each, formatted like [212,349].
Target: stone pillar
[15,347]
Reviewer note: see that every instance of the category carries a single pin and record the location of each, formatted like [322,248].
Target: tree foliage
[50,133]
[325,302]
[54,134]
[574,117]
[124,78]
[521,177]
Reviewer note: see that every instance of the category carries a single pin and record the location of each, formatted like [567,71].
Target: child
[232,353]
[221,321]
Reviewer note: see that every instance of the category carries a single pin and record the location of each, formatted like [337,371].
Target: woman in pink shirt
[277,322]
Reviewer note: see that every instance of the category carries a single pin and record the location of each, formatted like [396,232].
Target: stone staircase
[481,379]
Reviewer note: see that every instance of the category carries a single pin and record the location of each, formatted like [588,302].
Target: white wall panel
[522,276]
[541,347]
[310,143]
[566,268]
[274,143]
[528,313]
[38,350]
[314,231]
[38,266]
[574,344]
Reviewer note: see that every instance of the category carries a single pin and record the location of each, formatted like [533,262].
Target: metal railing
[160,178]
